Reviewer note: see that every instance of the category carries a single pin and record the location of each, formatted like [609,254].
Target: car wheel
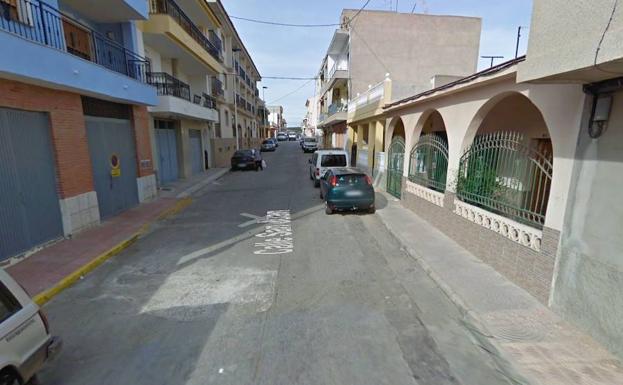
[372,210]
[328,210]
[321,196]
[316,183]
[8,377]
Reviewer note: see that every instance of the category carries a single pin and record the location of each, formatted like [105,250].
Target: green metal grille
[428,165]
[395,166]
[502,174]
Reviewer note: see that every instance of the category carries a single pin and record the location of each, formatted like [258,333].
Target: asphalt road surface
[216,296]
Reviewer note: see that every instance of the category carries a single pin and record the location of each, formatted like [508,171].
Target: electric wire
[291,93]
[601,40]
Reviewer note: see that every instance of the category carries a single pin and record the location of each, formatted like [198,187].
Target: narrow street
[191,303]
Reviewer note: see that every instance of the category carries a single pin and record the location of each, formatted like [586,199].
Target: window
[217,130]
[333,160]
[17,10]
[8,303]
[227,118]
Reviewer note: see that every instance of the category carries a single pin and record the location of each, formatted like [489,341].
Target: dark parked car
[246,159]
[347,189]
[268,145]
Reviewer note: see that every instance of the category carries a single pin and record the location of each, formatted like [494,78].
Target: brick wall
[527,268]
[71,152]
[140,121]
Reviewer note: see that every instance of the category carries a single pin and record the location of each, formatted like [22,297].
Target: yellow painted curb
[70,279]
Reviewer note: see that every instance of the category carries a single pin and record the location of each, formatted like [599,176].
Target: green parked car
[347,189]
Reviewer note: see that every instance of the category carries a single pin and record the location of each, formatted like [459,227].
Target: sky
[298,52]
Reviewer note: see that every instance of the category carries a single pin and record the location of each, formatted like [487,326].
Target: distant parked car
[26,342]
[291,136]
[347,189]
[275,141]
[309,144]
[246,159]
[268,145]
[282,136]
[322,160]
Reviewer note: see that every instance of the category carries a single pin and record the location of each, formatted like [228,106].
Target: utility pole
[492,58]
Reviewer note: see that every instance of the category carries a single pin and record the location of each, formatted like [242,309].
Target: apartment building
[371,45]
[310,122]
[74,126]
[275,118]
[206,81]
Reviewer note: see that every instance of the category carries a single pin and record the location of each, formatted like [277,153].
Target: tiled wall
[79,212]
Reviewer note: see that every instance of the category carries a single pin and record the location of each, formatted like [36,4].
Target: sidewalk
[52,269]
[528,341]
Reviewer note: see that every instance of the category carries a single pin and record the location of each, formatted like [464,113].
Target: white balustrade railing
[432,196]
[515,231]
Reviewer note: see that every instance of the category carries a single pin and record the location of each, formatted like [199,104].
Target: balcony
[38,22]
[336,113]
[175,99]
[169,28]
[217,88]
[337,74]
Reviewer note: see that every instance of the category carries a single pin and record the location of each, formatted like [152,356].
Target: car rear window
[9,305]
[352,180]
[243,153]
[311,140]
[337,160]
[267,142]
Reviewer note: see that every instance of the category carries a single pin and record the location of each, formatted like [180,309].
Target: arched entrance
[395,160]
[428,163]
[507,168]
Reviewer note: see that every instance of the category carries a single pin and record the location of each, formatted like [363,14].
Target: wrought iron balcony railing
[170,7]
[168,85]
[37,21]
[209,101]
[334,108]
[217,87]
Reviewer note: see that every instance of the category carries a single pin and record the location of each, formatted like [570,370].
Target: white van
[323,160]
[26,343]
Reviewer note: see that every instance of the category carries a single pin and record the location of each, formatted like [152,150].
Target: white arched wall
[462,113]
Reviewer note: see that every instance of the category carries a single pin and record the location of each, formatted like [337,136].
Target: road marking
[277,235]
[254,220]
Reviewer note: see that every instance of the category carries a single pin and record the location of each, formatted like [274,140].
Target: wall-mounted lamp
[602,104]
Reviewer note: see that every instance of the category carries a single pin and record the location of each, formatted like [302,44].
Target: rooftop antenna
[492,58]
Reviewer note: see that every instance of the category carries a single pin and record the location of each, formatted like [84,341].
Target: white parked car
[309,144]
[26,341]
[291,135]
[282,136]
[323,160]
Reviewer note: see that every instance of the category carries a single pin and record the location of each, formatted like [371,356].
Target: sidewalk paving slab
[53,266]
[527,339]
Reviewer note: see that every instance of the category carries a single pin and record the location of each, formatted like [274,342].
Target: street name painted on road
[277,236]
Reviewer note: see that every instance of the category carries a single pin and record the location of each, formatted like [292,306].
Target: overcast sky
[297,52]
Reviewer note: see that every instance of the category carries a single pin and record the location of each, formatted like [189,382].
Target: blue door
[113,159]
[166,140]
[29,209]
[196,152]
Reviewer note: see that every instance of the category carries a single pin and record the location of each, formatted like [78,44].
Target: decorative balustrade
[168,85]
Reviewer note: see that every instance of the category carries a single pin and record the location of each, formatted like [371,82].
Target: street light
[237,60]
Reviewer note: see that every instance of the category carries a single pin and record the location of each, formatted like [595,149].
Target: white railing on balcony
[372,95]
[337,66]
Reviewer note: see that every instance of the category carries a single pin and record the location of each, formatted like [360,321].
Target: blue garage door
[115,184]
[166,140]
[29,210]
[196,152]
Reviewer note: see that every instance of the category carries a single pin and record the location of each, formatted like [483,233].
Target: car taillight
[45,321]
[334,181]
[317,172]
[368,180]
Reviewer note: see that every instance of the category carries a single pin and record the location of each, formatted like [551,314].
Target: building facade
[359,57]
[310,122]
[74,126]
[206,82]
[520,163]
[275,119]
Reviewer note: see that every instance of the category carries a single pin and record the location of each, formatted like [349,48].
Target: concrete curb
[193,189]
[472,320]
[45,296]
